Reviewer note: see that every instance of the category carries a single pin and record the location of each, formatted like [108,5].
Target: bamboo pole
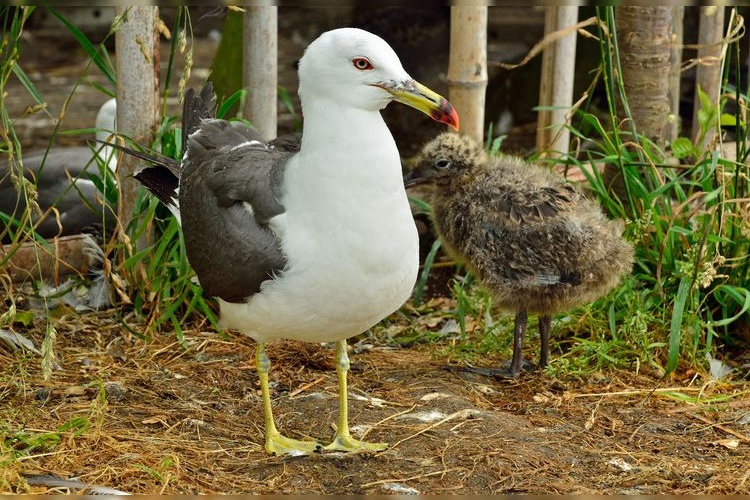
[467,68]
[675,73]
[137,62]
[260,68]
[708,74]
[556,86]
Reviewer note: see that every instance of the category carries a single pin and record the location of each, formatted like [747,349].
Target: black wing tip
[161,182]
[198,107]
[161,178]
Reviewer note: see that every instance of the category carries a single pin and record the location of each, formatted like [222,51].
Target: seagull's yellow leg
[275,442]
[343,441]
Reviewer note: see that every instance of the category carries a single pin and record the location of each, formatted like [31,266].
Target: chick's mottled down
[537,243]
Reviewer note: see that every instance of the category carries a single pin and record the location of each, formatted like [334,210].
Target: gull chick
[536,242]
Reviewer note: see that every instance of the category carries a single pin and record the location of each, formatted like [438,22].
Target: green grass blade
[675,327]
[31,88]
[229,102]
[92,51]
[422,282]
[289,105]
[421,206]
[740,296]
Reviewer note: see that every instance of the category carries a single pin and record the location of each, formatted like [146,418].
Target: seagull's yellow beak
[416,95]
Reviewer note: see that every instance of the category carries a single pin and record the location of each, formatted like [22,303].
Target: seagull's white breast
[350,241]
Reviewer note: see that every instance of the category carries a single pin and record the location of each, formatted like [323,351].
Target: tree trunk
[226,72]
[260,68]
[467,68]
[644,37]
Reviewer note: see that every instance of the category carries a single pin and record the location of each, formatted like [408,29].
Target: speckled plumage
[537,243]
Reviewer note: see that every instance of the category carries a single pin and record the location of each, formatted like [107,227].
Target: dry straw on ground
[152,417]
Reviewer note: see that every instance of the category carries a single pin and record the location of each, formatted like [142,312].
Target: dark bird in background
[536,242]
[69,201]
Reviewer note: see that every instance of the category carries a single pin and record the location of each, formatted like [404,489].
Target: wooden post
[49,261]
[467,68]
[675,73]
[260,68]
[137,62]
[708,74]
[556,86]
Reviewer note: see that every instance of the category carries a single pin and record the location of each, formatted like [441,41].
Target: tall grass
[10,145]
[10,49]
[689,221]
[156,280]
[14,20]
[687,213]
[164,291]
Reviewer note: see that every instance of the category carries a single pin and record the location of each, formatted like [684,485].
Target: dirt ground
[152,417]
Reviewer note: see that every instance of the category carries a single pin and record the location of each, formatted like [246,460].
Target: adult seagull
[316,244]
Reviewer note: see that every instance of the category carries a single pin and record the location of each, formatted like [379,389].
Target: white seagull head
[355,68]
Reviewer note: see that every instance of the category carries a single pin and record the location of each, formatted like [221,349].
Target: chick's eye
[442,163]
[361,63]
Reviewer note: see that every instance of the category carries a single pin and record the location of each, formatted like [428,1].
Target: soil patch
[153,417]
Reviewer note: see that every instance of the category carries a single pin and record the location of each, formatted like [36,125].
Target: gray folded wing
[229,190]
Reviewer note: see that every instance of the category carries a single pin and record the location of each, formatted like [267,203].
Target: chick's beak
[416,95]
[413,178]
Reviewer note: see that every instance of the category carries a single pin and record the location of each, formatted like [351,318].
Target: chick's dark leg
[545,323]
[516,364]
[519,332]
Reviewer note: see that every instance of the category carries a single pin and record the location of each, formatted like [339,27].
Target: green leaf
[727,120]
[78,425]
[704,117]
[25,318]
[740,296]
[497,143]
[704,100]
[682,147]
[31,88]
[681,230]
[422,207]
[712,195]
[229,102]
[289,105]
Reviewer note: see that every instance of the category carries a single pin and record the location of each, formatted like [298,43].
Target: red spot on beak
[446,113]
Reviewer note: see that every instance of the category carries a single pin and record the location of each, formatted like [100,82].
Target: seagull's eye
[361,63]
[442,163]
